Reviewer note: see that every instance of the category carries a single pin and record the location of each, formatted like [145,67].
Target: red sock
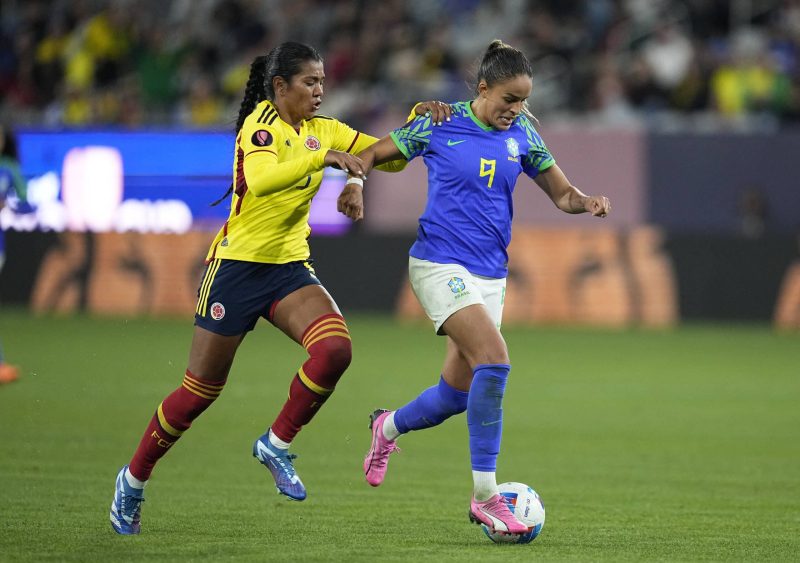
[328,343]
[173,416]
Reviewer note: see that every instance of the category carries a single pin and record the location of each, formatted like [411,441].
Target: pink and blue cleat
[378,455]
[496,515]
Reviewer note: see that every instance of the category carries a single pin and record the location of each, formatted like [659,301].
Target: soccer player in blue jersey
[459,262]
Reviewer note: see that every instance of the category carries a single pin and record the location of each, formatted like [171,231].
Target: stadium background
[671,437]
[684,113]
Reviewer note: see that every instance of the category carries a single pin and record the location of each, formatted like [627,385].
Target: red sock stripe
[319,320]
[173,429]
[172,418]
[328,332]
[326,324]
[206,389]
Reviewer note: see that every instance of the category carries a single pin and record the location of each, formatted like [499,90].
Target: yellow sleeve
[263,171]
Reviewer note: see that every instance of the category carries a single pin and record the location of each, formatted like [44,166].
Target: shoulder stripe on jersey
[320,117]
[263,113]
[266,115]
[354,141]
[274,117]
[261,150]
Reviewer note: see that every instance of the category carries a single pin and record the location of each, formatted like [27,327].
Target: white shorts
[443,289]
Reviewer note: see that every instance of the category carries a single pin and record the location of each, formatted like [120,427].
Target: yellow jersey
[276,173]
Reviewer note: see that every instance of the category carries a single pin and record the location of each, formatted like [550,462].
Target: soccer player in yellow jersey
[257,266]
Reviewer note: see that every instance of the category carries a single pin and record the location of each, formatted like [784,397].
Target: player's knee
[338,354]
[330,358]
[489,353]
[483,347]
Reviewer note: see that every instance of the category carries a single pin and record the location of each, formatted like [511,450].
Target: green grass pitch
[676,445]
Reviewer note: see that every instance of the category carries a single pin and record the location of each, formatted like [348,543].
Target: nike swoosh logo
[484,423]
[452,143]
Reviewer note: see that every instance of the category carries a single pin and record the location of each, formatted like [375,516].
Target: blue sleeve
[413,138]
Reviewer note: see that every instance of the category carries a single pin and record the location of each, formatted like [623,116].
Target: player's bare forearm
[381,152]
[574,201]
[567,197]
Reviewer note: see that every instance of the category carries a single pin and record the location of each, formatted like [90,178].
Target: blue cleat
[126,510]
[279,463]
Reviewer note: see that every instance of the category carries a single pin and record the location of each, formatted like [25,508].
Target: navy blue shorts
[234,294]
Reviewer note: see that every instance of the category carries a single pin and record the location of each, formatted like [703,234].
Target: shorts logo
[312,143]
[217,310]
[262,138]
[456,285]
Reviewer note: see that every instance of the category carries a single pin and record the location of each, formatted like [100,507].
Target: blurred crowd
[185,62]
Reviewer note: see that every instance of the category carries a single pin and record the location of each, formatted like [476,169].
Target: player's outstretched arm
[567,197]
[351,200]
[437,111]
[347,162]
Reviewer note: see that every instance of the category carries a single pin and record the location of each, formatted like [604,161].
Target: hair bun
[496,45]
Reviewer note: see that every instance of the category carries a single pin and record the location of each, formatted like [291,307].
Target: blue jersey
[472,170]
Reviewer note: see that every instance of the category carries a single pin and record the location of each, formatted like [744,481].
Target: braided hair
[284,61]
[254,92]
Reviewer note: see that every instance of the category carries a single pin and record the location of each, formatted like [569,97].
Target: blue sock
[485,414]
[433,406]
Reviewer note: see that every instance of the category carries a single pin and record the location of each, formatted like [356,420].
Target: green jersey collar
[477,121]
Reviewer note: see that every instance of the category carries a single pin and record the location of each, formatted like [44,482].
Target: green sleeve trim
[19,184]
[400,146]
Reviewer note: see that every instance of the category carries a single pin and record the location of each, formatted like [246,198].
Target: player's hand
[351,202]
[436,110]
[598,205]
[347,162]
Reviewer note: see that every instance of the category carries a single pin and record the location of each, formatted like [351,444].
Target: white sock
[484,485]
[390,431]
[133,481]
[277,442]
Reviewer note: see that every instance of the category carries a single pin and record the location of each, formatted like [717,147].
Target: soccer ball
[526,505]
